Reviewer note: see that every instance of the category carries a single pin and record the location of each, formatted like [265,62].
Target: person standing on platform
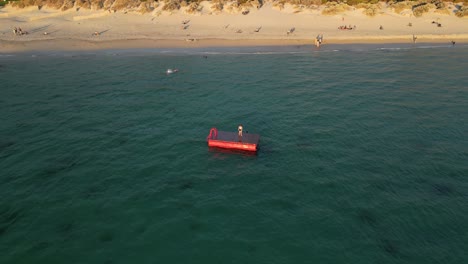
[239,130]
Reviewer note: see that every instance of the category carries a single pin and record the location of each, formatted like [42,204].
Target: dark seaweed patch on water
[65,228]
[106,236]
[122,141]
[39,246]
[141,229]
[93,191]
[186,185]
[283,204]
[184,205]
[6,144]
[58,167]
[194,226]
[8,218]
[304,145]
[389,247]
[251,249]
[443,189]
[367,217]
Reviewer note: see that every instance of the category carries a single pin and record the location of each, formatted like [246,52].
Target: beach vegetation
[97,4]
[369,9]
[462,11]
[145,7]
[304,3]
[357,2]
[56,4]
[217,5]
[333,8]
[171,5]
[83,3]
[23,3]
[422,8]
[256,3]
[279,4]
[193,8]
[67,4]
[442,11]
[399,7]
[122,4]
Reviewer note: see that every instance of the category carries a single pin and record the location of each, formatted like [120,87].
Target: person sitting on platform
[239,129]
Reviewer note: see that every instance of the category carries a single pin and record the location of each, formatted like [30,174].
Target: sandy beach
[84,29]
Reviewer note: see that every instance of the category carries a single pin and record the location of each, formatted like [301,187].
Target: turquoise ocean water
[363,156]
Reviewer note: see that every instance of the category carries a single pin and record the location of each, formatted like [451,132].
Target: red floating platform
[231,140]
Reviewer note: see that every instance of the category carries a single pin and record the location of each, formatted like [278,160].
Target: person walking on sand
[239,131]
[414,38]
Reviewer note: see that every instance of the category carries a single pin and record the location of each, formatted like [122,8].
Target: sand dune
[209,28]
[45,14]
[91,16]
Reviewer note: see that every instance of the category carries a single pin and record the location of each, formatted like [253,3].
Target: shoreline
[69,44]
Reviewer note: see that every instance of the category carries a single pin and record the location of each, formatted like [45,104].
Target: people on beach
[239,130]
[345,27]
[19,31]
[437,23]
[381,28]
[414,38]
[318,40]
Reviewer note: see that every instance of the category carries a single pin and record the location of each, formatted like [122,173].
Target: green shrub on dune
[171,5]
[67,4]
[83,4]
[399,7]
[422,8]
[369,9]
[462,11]
[56,4]
[145,7]
[333,8]
[97,4]
[122,4]
[305,3]
[279,4]
[217,5]
[193,8]
[24,3]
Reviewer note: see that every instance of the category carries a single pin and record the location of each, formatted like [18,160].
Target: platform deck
[231,140]
[234,137]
